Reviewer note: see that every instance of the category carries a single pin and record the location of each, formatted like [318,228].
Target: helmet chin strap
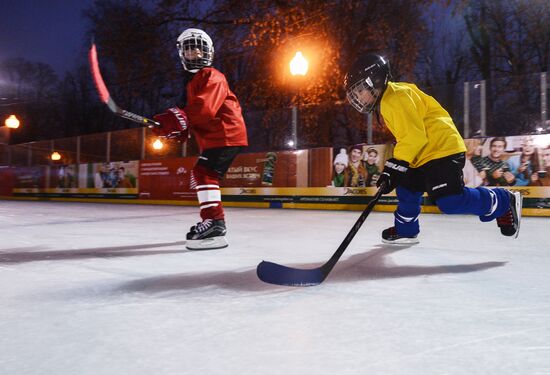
[189,70]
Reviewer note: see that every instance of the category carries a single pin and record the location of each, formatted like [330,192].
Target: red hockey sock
[208,193]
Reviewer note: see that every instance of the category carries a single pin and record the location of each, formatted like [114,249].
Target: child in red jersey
[213,116]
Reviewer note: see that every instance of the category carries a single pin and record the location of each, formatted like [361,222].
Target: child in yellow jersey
[428,157]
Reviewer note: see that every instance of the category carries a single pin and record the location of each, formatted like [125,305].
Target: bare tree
[510,40]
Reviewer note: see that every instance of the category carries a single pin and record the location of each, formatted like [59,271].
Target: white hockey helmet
[195,49]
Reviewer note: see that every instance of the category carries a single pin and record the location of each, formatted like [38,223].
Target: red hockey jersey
[214,112]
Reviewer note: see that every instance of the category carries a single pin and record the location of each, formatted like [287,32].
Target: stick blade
[96,73]
[278,274]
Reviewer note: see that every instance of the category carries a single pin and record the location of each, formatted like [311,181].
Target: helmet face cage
[355,100]
[370,73]
[195,52]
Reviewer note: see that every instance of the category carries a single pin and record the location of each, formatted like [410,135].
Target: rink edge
[388,207]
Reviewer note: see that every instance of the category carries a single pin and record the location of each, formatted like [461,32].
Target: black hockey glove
[392,175]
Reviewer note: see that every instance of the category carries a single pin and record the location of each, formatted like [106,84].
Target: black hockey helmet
[369,72]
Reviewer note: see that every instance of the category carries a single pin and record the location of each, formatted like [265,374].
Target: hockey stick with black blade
[106,97]
[278,274]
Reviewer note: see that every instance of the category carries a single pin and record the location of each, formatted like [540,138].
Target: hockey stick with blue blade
[278,274]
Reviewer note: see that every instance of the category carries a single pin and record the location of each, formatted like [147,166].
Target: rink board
[536,200]
[303,179]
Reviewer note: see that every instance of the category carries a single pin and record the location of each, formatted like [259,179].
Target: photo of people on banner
[507,161]
[63,176]
[358,166]
[496,161]
[112,175]
[30,177]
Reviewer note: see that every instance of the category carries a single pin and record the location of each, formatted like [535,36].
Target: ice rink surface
[110,289]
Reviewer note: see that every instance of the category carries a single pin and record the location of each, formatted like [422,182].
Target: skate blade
[402,241]
[207,243]
[519,205]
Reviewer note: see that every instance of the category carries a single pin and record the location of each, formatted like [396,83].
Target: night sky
[52,31]
[48,31]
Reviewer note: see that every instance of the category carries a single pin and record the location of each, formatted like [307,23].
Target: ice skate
[510,221]
[390,236]
[207,235]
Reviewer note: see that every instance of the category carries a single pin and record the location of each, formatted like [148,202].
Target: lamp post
[298,67]
[12,122]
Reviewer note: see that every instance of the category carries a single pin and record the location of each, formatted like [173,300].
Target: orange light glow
[12,122]
[299,65]
[158,145]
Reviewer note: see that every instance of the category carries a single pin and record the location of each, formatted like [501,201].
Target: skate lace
[201,227]
[507,219]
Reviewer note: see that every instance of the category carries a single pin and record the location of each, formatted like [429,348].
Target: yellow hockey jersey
[423,129]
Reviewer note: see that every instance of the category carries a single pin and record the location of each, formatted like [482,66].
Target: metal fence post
[108,153]
[483,109]
[143,135]
[543,103]
[294,129]
[369,128]
[466,110]
[78,150]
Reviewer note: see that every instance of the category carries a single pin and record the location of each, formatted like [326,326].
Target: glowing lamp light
[298,65]
[290,143]
[158,145]
[55,156]
[12,122]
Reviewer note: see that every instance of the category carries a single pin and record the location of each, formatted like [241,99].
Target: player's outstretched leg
[406,226]
[488,204]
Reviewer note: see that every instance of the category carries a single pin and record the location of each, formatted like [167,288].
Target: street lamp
[158,145]
[298,67]
[55,156]
[12,122]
